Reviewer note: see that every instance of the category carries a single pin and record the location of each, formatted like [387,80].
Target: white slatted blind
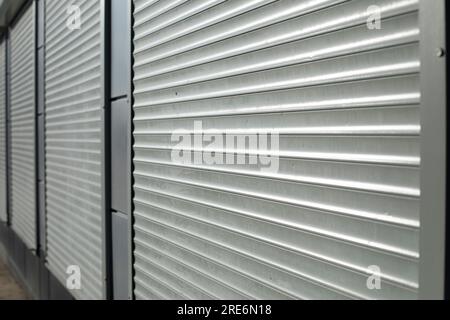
[345,100]
[3,172]
[23,127]
[73,144]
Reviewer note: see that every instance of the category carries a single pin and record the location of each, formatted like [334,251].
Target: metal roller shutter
[344,99]
[23,132]
[3,213]
[73,145]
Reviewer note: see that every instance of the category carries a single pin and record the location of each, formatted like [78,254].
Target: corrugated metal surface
[73,145]
[23,122]
[345,100]
[3,213]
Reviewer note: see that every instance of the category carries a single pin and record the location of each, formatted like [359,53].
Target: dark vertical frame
[36,127]
[433,149]
[7,126]
[40,106]
[130,165]
[105,26]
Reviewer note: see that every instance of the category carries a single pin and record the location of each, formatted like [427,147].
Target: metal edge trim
[433,149]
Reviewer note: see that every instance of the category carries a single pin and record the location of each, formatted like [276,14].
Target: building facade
[224,149]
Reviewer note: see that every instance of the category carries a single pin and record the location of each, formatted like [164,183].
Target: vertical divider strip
[40,127]
[433,149]
[105,27]
[36,126]
[8,127]
[130,152]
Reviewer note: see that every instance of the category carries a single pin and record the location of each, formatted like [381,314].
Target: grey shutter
[73,142]
[345,99]
[3,213]
[23,132]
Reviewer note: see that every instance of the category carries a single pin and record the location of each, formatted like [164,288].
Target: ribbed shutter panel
[23,133]
[344,98]
[3,213]
[73,143]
